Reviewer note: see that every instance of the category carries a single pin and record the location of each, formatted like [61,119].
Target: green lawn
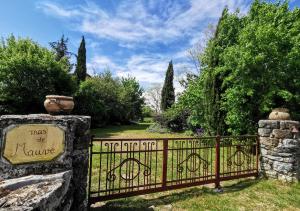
[131,131]
[243,194]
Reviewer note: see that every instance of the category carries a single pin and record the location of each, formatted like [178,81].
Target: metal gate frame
[127,165]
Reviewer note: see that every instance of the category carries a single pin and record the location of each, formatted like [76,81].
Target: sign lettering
[33,142]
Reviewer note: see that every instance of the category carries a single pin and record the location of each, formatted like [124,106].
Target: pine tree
[60,48]
[167,93]
[80,70]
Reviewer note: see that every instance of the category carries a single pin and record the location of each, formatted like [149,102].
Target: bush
[147,111]
[157,128]
[109,100]
[29,72]
[174,118]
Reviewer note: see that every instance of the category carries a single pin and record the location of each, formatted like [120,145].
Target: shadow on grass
[139,203]
[108,131]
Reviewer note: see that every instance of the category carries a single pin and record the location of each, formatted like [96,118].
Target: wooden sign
[33,143]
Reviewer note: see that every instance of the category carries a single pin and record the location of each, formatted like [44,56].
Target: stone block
[36,192]
[281,167]
[266,166]
[281,154]
[288,124]
[282,134]
[81,142]
[74,157]
[264,151]
[286,178]
[267,141]
[280,159]
[271,174]
[269,124]
[263,132]
[291,142]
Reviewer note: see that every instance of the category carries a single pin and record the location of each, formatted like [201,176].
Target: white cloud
[134,22]
[147,69]
[99,64]
[57,11]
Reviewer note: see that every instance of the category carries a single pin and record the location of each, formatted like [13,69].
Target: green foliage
[109,100]
[80,70]
[167,93]
[60,48]
[131,98]
[175,118]
[264,66]
[157,128]
[29,72]
[250,66]
[147,111]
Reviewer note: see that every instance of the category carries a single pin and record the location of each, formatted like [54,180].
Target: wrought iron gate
[128,167]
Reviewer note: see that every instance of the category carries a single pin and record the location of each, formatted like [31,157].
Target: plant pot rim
[280,109]
[59,97]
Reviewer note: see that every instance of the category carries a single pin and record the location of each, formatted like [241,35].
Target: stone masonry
[74,159]
[280,150]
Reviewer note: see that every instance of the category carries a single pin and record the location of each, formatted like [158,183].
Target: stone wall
[73,159]
[280,150]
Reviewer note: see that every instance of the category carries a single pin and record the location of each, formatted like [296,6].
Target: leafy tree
[109,100]
[249,66]
[153,98]
[167,93]
[60,47]
[80,70]
[264,65]
[29,72]
[131,98]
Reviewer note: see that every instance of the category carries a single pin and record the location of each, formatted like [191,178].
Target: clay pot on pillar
[280,114]
[57,104]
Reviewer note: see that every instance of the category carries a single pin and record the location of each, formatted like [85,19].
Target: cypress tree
[80,70]
[167,93]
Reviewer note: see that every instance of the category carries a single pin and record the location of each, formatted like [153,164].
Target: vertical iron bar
[165,163]
[90,172]
[217,163]
[257,156]
[100,157]
[156,142]
[120,170]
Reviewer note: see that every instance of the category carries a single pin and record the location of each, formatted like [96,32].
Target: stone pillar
[280,150]
[73,158]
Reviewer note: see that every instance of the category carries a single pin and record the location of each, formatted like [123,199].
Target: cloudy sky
[130,37]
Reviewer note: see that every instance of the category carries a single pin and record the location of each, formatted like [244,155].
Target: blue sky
[129,37]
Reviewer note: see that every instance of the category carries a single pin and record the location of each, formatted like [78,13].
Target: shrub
[29,72]
[109,100]
[157,128]
[174,118]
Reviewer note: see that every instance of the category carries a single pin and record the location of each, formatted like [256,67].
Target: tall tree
[80,70]
[29,72]
[60,48]
[167,93]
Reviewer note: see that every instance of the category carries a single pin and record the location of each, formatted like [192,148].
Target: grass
[131,131]
[249,194]
[246,194]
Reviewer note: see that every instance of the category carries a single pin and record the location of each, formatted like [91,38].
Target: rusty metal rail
[128,167]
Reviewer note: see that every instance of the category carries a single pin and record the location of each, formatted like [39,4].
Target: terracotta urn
[279,114]
[57,104]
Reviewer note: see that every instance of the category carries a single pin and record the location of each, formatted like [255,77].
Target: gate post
[165,163]
[217,163]
[90,169]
